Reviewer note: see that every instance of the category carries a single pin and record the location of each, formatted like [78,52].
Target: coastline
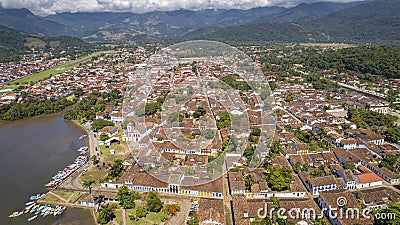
[43,116]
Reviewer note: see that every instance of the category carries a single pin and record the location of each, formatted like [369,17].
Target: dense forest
[376,60]
[12,44]
[368,63]
[381,123]
[32,107]
[93,103]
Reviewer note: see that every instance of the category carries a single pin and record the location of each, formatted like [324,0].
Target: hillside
[13,43]
[307,11]
[114,26]
[356,22]
[375,21]
[24,20]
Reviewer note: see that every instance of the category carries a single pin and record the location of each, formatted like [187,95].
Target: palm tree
[105,214]
[88,184]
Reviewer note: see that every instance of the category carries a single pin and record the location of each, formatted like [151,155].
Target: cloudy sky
[44,7]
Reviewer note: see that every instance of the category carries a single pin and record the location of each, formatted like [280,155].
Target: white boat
[29,207]
[15,214]
[34,208]
[63,209]
[29,203]
[82,149]
[36,197]
[59,210]
[32,218]
[82,137]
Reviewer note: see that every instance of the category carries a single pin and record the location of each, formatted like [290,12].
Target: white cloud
[44,7]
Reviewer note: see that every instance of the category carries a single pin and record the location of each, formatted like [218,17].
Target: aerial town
[221,145]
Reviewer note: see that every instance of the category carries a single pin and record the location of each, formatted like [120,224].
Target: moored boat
[15,214]
[36,197]
[29,203]
[82,137]
[32,218]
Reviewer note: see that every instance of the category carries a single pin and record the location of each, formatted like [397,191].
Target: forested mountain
[13,43]
[308,11]
[363,21]
[24,20]
[122,26]
[373,21]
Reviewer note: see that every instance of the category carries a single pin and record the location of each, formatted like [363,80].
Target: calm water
[31,152]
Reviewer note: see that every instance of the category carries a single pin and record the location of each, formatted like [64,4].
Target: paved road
[227,201]
[72,182]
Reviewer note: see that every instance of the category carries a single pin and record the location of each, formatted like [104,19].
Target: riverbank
[34,149]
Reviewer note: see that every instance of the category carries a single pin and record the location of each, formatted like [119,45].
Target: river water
[31,152]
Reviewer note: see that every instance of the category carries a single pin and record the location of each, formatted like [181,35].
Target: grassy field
[151,218]
[76,196]
[95,173]
[50,198]
[63,194]
[121,152]
[50,72]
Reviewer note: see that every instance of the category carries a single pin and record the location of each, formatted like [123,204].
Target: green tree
[275,148]
[256,132]
[392,134]
[100,123]
[78,92]
[289,97]
[115,171]
[94,159]
[279,178]
[125,198]
[223,120]
[200,111]
[141,211]
[392,215]
[104,137]
[349,166]
[153,202]
[194,220]
[105,214]
[297,167]
[248,180]
[392,95]
[88,184]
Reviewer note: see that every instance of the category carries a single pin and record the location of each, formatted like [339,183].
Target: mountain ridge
[361,21]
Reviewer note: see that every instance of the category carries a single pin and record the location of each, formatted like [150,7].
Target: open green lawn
[151,218]
[76,196]
[53,71]
[94,173]
[121,152]
[63,194]
[118,217]
[50,198]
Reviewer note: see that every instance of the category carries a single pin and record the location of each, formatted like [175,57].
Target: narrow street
[227,200]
